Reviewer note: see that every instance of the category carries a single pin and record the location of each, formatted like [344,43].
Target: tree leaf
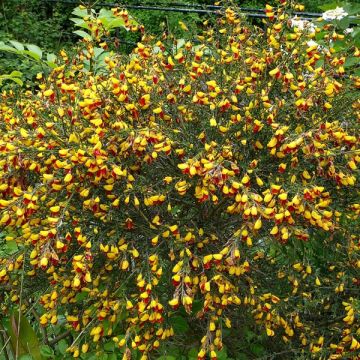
[179,324]
[193,354]
[28,337]
[80,297]
[17,81]
[105,13]
[17,45]
[257,349]
[241,356]
[222,354]
[51,57]
[98,51]
[80,23]
[115,23]
[51,60]
[11,246]
[82,34]
[328,6]
[352,9]
[16,74]
[46,351]
[180,43]
[109,346]
[35,49]
[26,357]
[80,12]
[32,54]
[351,61]
[4,47]
[344,23]
[22,334]
[62,346]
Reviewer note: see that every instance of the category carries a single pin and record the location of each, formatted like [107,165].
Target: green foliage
[31,22]
[29,58]
[15,76]
[23,339]
[29,51]
[36,22]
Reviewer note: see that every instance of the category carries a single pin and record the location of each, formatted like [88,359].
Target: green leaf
[32,54]
[222,354]
[4,250]
[133,21]
[4,47]
[249,335]
[105,14]
[103,356]
[46,351]
[82,296]
[179,324]
[81,12]
[344,23]
[339,45]
[241,356]
[352,9]
[328,6]
[109,21]
[107,325]
[356,32]
[11,246]
[98,51]
[166,357]
[23,336]
[193,353]
[80,23]
[351,61]
[109,346]
[16,74]
[51,57]
[180,43]
[17,45]
[100,62]
[257,349]
[115,23]
[175,209]
[91,356]
[35,49]
[51,60]
[17,81]
[82,34]
[26,357]
[197,306]
[62,346]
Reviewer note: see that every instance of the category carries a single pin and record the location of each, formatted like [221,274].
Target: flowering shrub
[212,182]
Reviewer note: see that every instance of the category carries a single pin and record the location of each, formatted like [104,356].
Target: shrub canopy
[212,182]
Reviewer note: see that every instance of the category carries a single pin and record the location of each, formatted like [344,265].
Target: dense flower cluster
[175,178]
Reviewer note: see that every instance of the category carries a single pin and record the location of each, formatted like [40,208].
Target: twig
[56,339]
[83,330]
